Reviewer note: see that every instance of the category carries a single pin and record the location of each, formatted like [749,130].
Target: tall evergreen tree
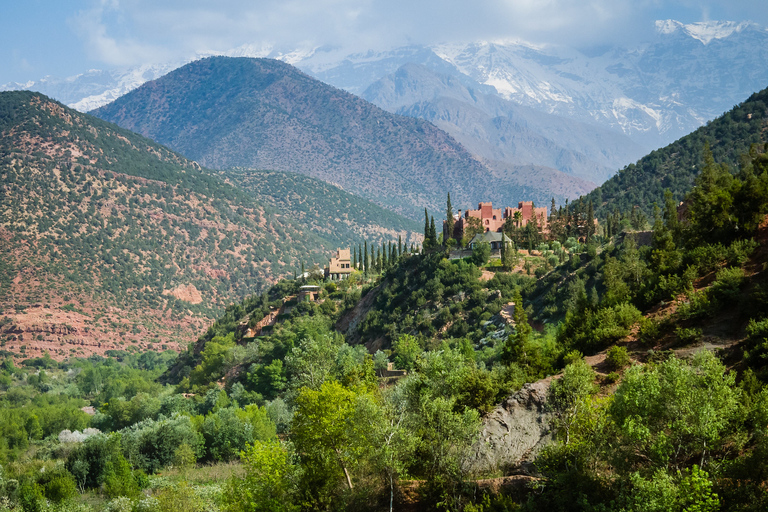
[399,245]
[426,229]
[589,222]
[384,256]
[448,232]
[367,261]
[432,233]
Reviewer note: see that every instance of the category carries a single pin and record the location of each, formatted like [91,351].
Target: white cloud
[140,31]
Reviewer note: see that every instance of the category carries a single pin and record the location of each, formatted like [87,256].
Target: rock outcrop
[514,432]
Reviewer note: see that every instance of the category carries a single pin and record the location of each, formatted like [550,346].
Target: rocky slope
[107,238]
[260,113]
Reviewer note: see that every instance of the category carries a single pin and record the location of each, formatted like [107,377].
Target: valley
[236,288]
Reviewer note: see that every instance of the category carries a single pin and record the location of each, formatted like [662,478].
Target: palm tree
[518,218]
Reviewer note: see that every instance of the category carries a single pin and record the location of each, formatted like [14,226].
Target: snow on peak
[704,31]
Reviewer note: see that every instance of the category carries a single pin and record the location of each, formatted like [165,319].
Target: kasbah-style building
[340,267]
[493,219]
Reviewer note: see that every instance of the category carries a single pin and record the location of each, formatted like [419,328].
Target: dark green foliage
[676,166]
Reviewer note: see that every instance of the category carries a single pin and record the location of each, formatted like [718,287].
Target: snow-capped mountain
[653,93]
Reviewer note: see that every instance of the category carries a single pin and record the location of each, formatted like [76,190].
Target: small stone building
[339,267]
[308,292]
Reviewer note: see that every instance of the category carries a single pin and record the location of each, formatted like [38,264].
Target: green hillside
[324,209]
[676,166]
[265,114]
[95,217]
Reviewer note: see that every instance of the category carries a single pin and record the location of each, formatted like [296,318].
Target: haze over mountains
[501,130]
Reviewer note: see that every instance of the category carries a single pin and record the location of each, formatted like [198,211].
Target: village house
[339,267]
[492,219]
[308,292]
[492,238]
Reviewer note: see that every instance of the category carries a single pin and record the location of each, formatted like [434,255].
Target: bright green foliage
[270,483]
[593,330]
[617,357]
[329,432]
[446,437]
[406,349]
[226,432]
[212,363]
[570,394]
[676,412]
[98,460]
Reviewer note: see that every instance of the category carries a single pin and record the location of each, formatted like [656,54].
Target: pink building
[492,220]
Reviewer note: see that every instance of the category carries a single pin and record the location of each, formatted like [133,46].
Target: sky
[65,37]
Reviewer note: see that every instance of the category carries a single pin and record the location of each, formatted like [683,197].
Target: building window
[494,217]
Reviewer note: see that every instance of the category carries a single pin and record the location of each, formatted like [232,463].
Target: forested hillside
[265,114]
[324,209]
[107,234]
[626,372]
[676,166]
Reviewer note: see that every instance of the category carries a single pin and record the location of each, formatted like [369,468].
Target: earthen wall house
[493,219]
[340,266]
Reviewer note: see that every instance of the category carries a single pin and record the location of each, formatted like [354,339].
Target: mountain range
[653,93]
[264,114]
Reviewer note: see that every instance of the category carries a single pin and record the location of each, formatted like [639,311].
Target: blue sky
[66,37]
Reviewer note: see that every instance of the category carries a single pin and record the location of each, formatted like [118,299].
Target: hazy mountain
[260,113]
[498,129]
[654,93]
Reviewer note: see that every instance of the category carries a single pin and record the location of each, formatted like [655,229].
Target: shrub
[727,284]
[617,357]
[697,306]
[152,444]
[688,335]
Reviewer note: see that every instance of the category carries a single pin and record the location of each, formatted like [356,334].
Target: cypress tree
[432,233]
[367,261]
[354,257]
[384,256]
[426,228]
[399,245]
[448,232]
[392,253]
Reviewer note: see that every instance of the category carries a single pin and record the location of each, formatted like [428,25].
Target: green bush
[617,357]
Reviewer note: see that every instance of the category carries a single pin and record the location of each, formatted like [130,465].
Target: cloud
[137,31]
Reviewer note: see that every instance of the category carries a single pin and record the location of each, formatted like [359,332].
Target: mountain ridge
[264,114]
